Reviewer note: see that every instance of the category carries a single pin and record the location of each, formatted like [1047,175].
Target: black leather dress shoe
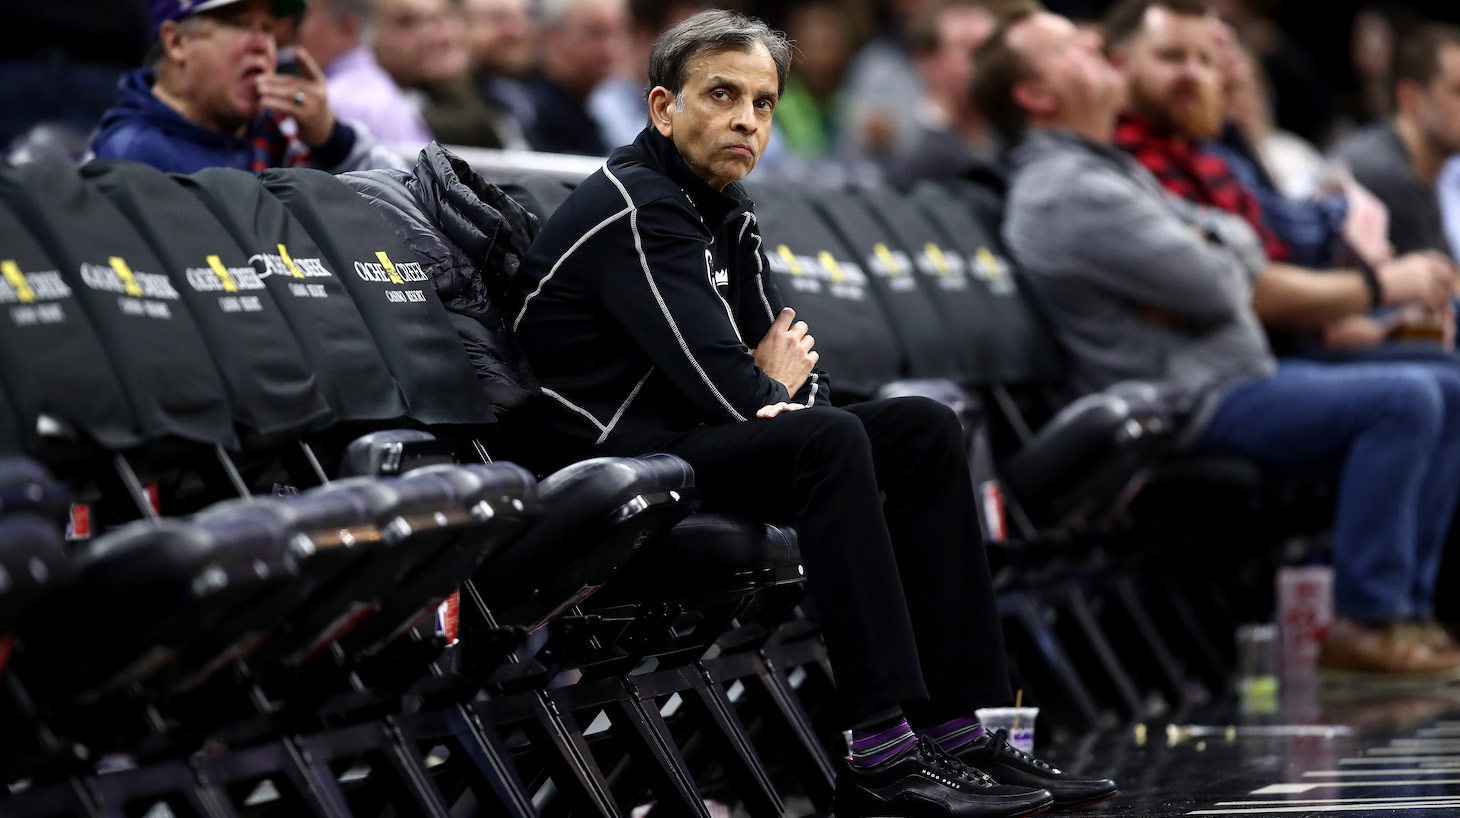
[993,754]
[929,783]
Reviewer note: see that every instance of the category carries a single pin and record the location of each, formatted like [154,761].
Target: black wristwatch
[1371,280]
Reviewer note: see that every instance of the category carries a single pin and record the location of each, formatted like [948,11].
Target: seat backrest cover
[154,344]
[893,275]
[539,195]
[1026,351]
[944,273]
[270,384]
[393,292]
[338,344]
[827,286]
[49,354]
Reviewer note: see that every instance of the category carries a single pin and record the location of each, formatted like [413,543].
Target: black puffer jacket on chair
[472,237]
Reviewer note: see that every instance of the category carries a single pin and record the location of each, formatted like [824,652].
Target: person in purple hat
[211,96]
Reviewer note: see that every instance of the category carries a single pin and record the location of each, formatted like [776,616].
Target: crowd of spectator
[877,89]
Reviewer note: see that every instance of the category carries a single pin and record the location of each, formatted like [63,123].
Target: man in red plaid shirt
[1168,52]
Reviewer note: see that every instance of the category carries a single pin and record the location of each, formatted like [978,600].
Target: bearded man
[1167,51]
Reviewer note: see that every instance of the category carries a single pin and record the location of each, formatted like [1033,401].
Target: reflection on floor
[1318,751]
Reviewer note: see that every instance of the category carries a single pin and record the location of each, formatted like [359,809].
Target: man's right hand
[1424,278]
[785,353]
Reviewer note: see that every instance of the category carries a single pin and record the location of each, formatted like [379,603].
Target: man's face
[221,56]
[500,35]
[1074,84]
[1173,78]
[721,119]
[1439,109]
[588,45]
[416,41]
[950,69]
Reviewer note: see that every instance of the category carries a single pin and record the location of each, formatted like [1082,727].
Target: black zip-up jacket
[639,302]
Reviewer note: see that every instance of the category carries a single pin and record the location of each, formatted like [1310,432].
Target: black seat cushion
[597,513]
[707,553]
[32,563]
[394,451]
[141,592]
[26,486]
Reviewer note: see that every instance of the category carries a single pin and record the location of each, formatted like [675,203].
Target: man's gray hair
[714,30]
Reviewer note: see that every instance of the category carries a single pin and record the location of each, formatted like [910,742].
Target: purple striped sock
[881,743]
[954,735]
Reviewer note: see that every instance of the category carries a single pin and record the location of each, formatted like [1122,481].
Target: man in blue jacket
[212,97]
[646,314]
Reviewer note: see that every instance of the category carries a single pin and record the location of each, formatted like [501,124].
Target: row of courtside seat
[311,591]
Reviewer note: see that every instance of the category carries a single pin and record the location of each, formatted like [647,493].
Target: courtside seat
[339,347]
[140,593]
[49,352]
[704,558]
[33,564]
[149,333]
[393,292]
[414,518]
[331,534]
[271,388]
[26,486]
[394,452]
[599,512]
[487,506]
[1082,460]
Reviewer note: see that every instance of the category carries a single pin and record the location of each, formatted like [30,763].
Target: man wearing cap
[211,97]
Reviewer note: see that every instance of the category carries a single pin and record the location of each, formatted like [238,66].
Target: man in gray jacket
[1142,285]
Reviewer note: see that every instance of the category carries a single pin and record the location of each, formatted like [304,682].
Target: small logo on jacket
[720,277]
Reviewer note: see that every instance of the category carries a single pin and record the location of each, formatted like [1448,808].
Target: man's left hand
[777,408]
[305,97]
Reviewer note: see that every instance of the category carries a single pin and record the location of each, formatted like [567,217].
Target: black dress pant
[882,503]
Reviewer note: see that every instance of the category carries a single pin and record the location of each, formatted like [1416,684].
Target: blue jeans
[1393,429]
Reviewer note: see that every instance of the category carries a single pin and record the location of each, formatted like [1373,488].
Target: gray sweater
[1139,284]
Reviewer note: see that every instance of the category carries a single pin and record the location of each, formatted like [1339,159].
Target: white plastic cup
[1003,718]
[1305,609]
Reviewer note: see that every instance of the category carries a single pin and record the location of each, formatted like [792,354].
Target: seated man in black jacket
[644,310]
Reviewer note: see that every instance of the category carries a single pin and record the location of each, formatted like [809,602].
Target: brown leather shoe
[1434,636]
[1385,654]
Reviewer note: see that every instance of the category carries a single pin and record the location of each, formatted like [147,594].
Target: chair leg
[564,752]
[158,781]
[488,766]
[70,798]
[1123,690]
[318,795]
[1204,657]
[709,703]
[400,769]
[1071,691]
[1147,647]
[793,731]
[651,744]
